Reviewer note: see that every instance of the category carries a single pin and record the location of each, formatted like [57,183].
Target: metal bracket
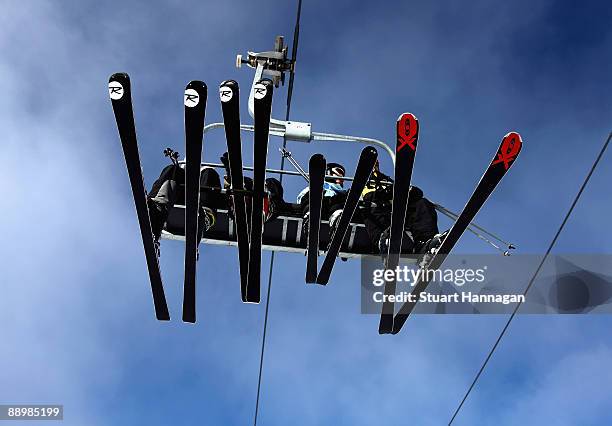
[293,130]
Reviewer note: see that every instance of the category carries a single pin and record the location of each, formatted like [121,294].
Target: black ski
[367,159]
[195,109]
[263,107]
[508,151]
[407,139]
[230,104]
[316,178]
[121,98]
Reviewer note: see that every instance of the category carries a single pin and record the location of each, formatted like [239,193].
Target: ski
[367,159]
[121,98]
[508,151]
[263,107]
[316,175]
[195,109]
[406,146]
[230,105]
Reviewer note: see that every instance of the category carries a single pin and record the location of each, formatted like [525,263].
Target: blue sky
[78,324]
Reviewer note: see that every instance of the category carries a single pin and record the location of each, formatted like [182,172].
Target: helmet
[335,169]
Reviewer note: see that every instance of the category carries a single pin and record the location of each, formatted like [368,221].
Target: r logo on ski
[115,90]
[259,91]
[191,98]
[226,94]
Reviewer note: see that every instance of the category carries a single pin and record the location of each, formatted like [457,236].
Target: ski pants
[167,190]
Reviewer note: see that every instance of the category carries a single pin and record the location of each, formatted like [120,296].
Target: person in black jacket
[421,220]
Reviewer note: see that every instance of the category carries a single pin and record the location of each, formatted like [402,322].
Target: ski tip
[407,116]
[514,138]
[194,91]
[119,76]
[317,159]
[266,81]
[369,151]
[197,85]
[229,83]
[513,134]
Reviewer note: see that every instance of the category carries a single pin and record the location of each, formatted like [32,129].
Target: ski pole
[286,154]
[454,216]
[174,155]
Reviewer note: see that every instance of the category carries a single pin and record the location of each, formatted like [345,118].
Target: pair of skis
[316,172]
[195,109]
[248,233]
[505,156]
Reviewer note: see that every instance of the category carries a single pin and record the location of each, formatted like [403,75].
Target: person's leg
[164,189]
[209,178]
[422,221]
[376,223]
[275,202]
[331,210]
[425,228]
[163,196]
[210,199]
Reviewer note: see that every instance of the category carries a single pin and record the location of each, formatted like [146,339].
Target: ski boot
[158,214]
[334,218]
[383,243]
[207,218]
[430,248]
[385,240]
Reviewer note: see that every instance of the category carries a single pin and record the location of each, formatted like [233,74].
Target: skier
[334,196]
[421,221]
[273,203]
[379,188]
[167,191]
